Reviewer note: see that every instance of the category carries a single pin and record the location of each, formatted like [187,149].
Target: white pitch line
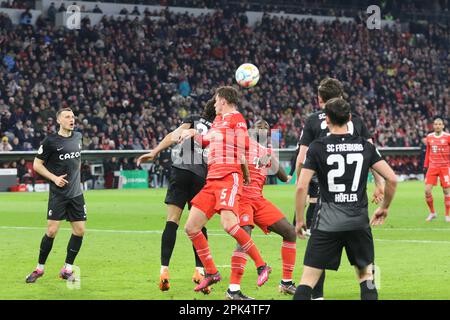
[217,234]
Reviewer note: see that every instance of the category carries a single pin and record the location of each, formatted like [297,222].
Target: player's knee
[52,231]
[289,234]
[189,228]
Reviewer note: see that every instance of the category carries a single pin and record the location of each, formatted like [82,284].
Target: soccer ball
[247,75]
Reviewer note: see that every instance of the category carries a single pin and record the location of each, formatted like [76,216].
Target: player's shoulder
[50,138]
[77,135]
[316,116]
[238,120]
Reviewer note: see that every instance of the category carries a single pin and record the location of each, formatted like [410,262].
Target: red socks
[288,254]
[246,244]
[429,200]
[201,246]
[447,205]
[238,262]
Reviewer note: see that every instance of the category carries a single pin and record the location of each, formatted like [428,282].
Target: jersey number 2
[340,171]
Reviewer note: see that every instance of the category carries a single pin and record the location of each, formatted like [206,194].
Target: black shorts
[313,189]
[60,208]
[324,249]
[183,187]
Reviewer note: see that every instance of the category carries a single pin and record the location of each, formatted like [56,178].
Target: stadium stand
[130,82]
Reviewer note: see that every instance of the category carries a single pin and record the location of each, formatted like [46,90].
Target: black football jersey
[342,164]
[316,127]
[190,155]
[62,155]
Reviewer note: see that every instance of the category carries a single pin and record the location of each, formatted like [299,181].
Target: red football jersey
[258,173]
[438,151]
[227,139]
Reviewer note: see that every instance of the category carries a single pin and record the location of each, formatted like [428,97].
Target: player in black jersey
[342,162]
[59,160]
[187,178]
[316,127]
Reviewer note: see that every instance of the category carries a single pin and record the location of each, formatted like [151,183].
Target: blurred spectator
[26,16]
[51,12]
[110,166]
[136,11]
[5,146]
[97,9]
[87,179]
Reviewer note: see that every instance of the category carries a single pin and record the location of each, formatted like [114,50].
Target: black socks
[368,290]
[46,247]
[73,248]
[168,239]
[303,292]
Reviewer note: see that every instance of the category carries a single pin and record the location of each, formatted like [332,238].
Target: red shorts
[259,211]
[220,194]
[442,173]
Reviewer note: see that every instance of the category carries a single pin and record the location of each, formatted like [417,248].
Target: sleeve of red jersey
[240,134]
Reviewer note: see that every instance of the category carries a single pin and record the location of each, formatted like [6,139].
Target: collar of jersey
[232,112]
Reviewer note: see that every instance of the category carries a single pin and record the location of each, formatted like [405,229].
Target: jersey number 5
[340,171]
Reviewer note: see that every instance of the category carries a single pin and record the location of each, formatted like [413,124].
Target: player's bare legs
[45,248]
[309,279]
[447,203]
[366,282]
[430,203]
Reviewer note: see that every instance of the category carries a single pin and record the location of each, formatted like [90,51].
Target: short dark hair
[228,93]
[209,112]
[438,118]
[62,110]
[338,111]
[330,88]
[262,122]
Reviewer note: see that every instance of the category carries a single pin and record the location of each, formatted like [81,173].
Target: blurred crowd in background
[131,82]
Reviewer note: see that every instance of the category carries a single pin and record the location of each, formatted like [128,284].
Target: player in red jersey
[437,164]
[255,209]
[227,140]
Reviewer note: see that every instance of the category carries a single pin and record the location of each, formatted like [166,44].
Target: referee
[59,161]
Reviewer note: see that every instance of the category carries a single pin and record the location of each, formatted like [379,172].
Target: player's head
[261,129]
[329,88]
[338,112]
[227,99]
[209,112]
[66,119]
[438,125]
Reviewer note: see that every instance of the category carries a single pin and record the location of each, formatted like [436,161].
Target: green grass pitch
[119,258]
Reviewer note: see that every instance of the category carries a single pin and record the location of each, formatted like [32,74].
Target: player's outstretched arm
[389,176]
[281,174]
[300,200]
[165,143]
[38,166]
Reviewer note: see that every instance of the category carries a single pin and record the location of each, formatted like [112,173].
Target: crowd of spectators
[132,82]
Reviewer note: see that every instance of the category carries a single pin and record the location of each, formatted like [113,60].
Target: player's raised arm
[165,143]
[389,176]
